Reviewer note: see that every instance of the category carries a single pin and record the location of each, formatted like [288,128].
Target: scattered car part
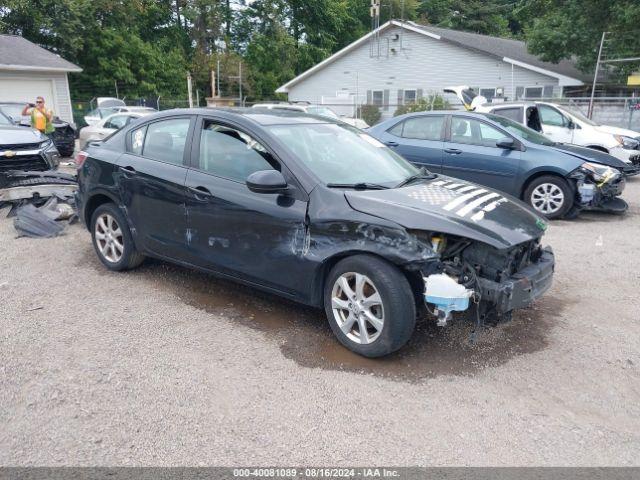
[36,222]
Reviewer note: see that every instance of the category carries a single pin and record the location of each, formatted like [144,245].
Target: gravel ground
[163,366]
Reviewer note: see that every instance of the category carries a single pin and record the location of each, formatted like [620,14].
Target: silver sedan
[106,126]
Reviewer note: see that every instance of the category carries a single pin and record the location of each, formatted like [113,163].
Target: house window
[533,92]
[410,96]
[377,97]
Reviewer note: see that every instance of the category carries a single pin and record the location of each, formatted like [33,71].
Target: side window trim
[188,139]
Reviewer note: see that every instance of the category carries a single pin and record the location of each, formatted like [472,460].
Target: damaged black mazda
[315,211]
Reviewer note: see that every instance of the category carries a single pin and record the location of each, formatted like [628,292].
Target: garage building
[28,71]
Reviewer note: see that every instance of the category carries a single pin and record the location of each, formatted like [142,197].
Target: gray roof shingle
[17,53]
[502,47]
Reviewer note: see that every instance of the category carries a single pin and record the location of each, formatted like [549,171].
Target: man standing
[40,116]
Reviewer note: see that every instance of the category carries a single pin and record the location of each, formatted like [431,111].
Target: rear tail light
[80,158]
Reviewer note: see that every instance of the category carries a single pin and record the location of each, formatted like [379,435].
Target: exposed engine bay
[496,281]
[598,188]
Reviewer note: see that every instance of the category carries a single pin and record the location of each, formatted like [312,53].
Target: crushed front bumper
[521,288]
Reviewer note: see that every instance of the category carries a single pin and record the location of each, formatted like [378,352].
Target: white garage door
[21,90]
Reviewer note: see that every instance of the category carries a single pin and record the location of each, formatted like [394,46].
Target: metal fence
[621,112]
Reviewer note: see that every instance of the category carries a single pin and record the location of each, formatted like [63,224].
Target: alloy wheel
[357,307]
[109,238]
[547,198]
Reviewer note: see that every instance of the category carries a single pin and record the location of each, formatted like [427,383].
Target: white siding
[423,63]
[60,104]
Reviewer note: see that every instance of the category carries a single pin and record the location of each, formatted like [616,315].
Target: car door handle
[391,144]
[452,151]
[129,171]
[201,193]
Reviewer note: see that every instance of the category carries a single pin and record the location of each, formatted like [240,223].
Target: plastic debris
[36,222]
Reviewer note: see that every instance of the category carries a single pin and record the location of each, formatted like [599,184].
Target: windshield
[14,111]
[4,120]
[343,154]
[578,114]
[520,130]
[322,111]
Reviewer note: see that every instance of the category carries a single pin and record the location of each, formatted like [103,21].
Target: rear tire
[112,239]
[550,196]
[370,305]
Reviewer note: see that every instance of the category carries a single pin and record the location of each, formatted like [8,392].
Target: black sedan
[315,211]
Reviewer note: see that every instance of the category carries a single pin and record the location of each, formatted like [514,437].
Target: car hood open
[454,207]
[12,135]
[591,155]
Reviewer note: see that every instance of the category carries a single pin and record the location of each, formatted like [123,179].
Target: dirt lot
[163,366]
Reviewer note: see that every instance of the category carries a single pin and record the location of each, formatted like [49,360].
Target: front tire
[112,239]
[550,196]
[370,305]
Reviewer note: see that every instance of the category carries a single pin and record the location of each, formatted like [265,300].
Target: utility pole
[190,89]
[115,82]
[595,76]
[218,79]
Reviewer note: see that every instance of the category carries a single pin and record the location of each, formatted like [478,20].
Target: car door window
[422,128]
[514,114]
[116,122]
[551,116]
[230,153]
[474,132]
[165,140]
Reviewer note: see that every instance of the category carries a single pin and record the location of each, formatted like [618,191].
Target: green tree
[558,30]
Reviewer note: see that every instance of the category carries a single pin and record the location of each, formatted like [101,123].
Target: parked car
[25,148]
[321,110]
[562,124]
[64,135]
[568,125]
[109,106]
[313,210]
[495,151]
[108,125]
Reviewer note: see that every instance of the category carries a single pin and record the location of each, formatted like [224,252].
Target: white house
[402,61]
[28,71]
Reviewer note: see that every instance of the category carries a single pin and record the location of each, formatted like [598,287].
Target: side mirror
[506,143]
[266,181]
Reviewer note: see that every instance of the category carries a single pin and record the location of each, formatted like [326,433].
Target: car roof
[263,117]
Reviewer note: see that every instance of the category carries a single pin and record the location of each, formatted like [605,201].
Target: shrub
[369,113]
[423,104]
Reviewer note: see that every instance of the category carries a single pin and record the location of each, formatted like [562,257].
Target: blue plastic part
[448,304]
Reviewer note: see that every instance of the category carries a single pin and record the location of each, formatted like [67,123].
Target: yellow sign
[9,154]
[634,79]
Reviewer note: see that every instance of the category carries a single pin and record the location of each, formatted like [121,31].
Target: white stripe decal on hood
[460,200]
[476,203]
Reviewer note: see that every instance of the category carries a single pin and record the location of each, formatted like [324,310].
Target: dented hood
[590,155]
[454,207]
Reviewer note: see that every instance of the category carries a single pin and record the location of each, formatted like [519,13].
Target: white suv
[568,125]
